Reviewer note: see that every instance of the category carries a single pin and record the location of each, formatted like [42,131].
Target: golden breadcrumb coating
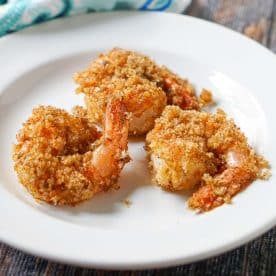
[144,86]
[190,149]
[205,98]
[60,159]
[142,98]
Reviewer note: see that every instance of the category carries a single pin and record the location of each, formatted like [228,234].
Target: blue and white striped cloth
[17,14]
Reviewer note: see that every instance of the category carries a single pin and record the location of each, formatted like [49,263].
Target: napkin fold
[17,14]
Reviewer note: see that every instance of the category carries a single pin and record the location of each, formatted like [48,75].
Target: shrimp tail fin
[116,124]
[220,189]
[111,154]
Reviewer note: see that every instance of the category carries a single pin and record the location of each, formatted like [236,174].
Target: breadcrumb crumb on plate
[127,202]
[206,98]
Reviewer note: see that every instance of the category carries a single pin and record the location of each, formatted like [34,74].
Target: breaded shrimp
[145,87]
[142,98]
[189,149]
[62,159]
[179,91]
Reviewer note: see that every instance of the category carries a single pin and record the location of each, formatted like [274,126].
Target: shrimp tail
[116,124]
[110,154]
[180,93]
[183,99]
[218,190]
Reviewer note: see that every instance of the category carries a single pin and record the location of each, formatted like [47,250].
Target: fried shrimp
[142,98]
[145,87]
[192,149]
[62,159]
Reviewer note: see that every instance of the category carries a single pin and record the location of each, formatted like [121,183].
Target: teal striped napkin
[17,14]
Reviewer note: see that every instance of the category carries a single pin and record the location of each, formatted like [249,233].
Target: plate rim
[169,262]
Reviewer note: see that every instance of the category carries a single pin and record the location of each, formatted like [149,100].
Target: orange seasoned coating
[62,159]
[142,98]
[178,150]
[179,91]
[205,98]
[49,144]
[145,87]
[190,149]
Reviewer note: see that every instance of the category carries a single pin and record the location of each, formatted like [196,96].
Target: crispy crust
[52,149]
[140,96]
[145,87]
[191,149]
[178,140]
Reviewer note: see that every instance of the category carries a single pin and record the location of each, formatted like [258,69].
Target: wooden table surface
[256,19]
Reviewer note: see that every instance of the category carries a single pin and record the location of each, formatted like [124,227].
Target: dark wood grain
[256,258]
[256,19]
[251,17]
[272,35]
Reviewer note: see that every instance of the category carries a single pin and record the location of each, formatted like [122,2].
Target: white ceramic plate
[158,229]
